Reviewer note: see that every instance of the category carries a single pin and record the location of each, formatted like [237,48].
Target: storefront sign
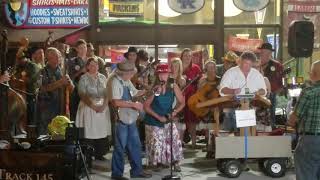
[241,45]
[304,6]
[20,175]
[251,5]
[48,13]
[186,6]
[126,8]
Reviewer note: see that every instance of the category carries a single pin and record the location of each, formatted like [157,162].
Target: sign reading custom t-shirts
[186,6]
[125,8]
[47,13]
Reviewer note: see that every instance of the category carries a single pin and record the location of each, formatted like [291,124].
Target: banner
[47,13]
[241,45]
[196,57]
[125,8]
[117,55]
[304,6]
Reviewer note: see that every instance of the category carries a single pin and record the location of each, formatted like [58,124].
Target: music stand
[171,176]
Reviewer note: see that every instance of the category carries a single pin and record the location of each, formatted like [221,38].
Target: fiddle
[137,78]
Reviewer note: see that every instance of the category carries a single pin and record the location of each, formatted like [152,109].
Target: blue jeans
[273,100]
[307,158]
[126,138]
[229,121]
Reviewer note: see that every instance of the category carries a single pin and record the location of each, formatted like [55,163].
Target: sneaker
[142,175]
[119,178]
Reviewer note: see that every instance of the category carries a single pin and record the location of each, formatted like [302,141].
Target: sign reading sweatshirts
[47,13]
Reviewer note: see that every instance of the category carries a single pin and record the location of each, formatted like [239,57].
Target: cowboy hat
[130,49]
[266,46]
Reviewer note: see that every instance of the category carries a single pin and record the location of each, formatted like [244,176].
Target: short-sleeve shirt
[126,115]
[93,87]
[274,72]
[308,109]
[234,78]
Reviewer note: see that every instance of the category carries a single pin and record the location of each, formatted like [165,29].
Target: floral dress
[158,137]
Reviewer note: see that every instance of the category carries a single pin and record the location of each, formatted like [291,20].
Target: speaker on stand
[301,39]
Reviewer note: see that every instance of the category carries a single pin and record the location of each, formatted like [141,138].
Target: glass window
[201,53]
[133,11]
[269,15]
[252,36]
[204,14]
[111,52]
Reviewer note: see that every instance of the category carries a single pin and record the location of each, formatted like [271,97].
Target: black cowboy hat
[266,46]
[130,49]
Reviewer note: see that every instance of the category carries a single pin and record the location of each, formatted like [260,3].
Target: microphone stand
[171,176]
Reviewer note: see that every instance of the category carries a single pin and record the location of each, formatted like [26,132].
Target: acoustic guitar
[208,91]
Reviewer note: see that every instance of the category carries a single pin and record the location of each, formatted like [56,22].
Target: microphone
[171,82]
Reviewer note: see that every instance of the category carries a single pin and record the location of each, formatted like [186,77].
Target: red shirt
[192,72]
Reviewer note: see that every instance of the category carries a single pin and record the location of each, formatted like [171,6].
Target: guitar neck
[192,81]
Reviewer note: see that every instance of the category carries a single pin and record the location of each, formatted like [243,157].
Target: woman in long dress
[190,72]
[93,114]
[160,110]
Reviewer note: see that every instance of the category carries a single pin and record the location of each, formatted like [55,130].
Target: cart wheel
[221,165]
[233,168]
[275,167]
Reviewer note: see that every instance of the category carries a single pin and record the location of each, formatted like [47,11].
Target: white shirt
[126,115]
[234,78]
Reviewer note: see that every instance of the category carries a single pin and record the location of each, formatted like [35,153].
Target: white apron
[96,125]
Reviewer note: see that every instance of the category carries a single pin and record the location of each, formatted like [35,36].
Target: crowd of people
[104,103]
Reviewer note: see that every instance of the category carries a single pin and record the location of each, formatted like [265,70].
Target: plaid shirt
[308,109]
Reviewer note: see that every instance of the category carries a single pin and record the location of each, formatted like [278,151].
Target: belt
[310,133]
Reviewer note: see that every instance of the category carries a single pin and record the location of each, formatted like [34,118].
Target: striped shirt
[308,109]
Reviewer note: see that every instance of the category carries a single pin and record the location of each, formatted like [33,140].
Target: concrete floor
[195,165]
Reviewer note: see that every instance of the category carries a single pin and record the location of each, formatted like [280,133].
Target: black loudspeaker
[301,38]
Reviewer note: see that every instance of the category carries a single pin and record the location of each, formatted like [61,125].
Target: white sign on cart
[245,118]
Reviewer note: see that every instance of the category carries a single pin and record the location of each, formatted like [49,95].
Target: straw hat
[126,66]
[230,56]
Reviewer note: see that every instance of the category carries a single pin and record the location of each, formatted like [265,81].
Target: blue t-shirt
[162,105]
